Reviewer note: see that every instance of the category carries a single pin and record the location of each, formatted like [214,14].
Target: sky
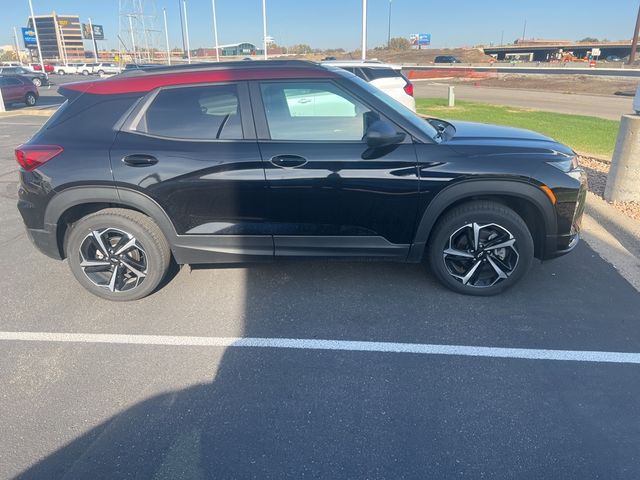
[337,23]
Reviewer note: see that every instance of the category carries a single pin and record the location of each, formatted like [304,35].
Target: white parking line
[339,345]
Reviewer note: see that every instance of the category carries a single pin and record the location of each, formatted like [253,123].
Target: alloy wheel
[481,255]
[113,259]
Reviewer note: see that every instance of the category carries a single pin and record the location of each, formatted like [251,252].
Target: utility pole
[364,30]
[35,29]
[166,35]
[184,45]
[634,44]
[264,27]
[15,38]
[186,30]
[502,38]
[215,29]
[389,30]
[93,40]
[133,41]
[524,30]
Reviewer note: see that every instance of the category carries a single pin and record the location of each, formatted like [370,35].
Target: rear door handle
[140,160]
[288,161]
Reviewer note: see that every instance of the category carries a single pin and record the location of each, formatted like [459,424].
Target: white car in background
[105,68]
[386,77]
[67,68]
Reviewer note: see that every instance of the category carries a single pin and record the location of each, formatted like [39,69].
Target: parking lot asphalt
[170,397]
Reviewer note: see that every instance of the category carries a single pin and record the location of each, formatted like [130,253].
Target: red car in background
[18,89]
[38,68]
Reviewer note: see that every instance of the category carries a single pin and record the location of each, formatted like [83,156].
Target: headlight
[566,164]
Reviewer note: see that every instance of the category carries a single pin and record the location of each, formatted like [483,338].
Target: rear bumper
[46,241]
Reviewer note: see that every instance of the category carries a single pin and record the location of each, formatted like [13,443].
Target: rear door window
[209,112]
[374,73]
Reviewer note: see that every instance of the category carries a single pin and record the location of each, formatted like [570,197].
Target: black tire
[85,72]
[151,250]
[100,72]
[30,99]
[455,233]
[37,82]
[61,72]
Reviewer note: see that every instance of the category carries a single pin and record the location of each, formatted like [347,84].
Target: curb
[36,113]
[614,236]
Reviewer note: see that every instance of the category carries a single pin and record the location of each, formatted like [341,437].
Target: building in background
[60,37]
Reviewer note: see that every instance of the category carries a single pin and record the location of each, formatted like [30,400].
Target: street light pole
[186,30]
[364,30]
[93,40]
[133,40]
[264,27]
[215,29]
[166,35]
[35,29]
[15,38]
[634,44]
[389,30]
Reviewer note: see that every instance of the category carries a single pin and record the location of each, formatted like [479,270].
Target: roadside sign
[420,39]
[29,37]
[98,32]
[595,52]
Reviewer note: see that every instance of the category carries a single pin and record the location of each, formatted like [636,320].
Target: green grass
[583,134]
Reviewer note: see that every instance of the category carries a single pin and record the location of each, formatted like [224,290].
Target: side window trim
[260,115]
[134,117]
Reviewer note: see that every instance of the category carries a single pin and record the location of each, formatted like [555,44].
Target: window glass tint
[374,73]
[312,111]
[12,82]
[198,113]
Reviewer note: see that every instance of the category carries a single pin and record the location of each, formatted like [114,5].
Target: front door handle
[140,160]
[288,161]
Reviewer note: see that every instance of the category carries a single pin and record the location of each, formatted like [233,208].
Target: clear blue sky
[336,23]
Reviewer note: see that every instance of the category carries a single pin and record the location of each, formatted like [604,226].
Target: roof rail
[155,69]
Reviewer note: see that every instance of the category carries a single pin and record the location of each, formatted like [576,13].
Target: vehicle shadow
[286,413]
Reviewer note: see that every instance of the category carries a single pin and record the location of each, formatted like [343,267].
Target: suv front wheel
[118,254]
[480,248]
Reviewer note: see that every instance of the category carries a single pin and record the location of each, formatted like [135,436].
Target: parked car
[86,68]
[138,66]
[36,67]
[386,77]
[11,64]
[106,68]
[37,78]
[446,59]
[68,68]
[211,164]
[613,58]
[18,89]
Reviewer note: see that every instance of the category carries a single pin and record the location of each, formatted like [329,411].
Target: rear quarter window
[373,73]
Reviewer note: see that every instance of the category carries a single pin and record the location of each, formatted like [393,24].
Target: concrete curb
[614,236]
[47,112]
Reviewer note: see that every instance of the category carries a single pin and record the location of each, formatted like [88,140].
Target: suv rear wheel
[118,254]
[30,99]
[480,248]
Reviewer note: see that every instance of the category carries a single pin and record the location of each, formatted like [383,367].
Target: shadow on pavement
[272,413]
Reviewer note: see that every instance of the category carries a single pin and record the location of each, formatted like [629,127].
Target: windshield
[409,115]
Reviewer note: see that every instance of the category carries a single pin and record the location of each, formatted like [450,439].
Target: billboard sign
[29,37]
[420,39]
[98,32]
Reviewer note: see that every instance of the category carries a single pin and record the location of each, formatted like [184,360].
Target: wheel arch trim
[470,188]
[75,196]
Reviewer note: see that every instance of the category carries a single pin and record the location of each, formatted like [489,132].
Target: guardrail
[480,71]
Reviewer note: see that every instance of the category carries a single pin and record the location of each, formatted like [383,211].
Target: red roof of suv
[145,80]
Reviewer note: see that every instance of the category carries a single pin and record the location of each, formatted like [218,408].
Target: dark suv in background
[252,161]
[446,59]
[37,78]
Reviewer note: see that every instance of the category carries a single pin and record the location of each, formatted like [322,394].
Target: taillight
[408,89]
[31,157]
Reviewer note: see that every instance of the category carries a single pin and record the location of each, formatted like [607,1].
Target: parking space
[162,388]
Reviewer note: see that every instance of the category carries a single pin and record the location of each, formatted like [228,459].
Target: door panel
[214,191]
[337,193]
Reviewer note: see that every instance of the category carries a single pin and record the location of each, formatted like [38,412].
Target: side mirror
[382,134]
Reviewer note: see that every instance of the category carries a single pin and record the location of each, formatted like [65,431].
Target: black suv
[251,161]
[446,59]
